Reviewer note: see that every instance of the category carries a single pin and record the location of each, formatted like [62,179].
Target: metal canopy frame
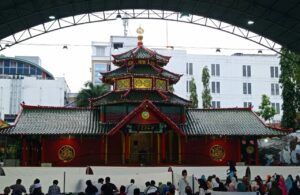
[102,16]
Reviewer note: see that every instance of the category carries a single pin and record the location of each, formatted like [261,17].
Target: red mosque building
[139,122]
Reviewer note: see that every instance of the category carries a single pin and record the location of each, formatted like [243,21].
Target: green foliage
[266,111]
[194,95]
[206,97]
[90,91]
[289,78]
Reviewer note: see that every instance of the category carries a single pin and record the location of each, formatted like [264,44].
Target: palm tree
[90,91]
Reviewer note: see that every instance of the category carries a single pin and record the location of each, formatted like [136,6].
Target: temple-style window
[161,84]
[142,83]
[123,84]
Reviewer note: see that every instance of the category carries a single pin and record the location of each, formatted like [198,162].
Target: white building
[238,80]
[24,80]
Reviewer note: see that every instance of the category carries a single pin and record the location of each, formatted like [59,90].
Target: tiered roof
[140,75]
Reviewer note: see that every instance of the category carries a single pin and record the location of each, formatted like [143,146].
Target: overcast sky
[74,63]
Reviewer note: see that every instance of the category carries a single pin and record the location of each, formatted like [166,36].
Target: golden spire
[140,32]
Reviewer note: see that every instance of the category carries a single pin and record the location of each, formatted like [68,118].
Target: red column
[43,150]
[102,148]
[24,153]
[256,152]
[238,142]
[163,147]
[183,146]
[127,139]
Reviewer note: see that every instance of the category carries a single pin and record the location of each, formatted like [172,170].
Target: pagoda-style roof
[136,96]
[40,120]
[37,120]
[140,70]
[227,121]
[140,52]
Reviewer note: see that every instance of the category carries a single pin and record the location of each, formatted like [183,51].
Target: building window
[100,51]
[188,86]
[247,104]
[215,87]
[216,104]
[276,106]
[274,89]
[215,69]
[274,71]
[117,45]
[247,88]
[246,71]
[189,68]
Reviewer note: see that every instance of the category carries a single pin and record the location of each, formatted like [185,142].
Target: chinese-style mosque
[139,122]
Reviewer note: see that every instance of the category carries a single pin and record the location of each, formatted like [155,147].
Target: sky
[74,63]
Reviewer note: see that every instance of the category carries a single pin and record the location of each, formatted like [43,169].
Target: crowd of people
[273,185]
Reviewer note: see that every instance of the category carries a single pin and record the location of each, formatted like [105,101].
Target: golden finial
[140,32]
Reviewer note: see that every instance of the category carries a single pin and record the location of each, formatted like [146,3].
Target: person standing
[99,185]
[130,188]
[108,188]
[90,189]
[54,189]
[183,183]
[18,188]
[36,184]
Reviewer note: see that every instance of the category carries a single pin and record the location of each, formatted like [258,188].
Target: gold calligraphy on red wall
[66,153]
[217,153]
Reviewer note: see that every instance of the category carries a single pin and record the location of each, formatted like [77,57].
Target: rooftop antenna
[125,24]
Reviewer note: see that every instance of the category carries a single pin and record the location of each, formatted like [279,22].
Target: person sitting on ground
[275,190]
[152,190]
[90,189]
[54,189]
[18,188]
[122,190]
[6,191]
[136,191]
[37,190]
[147,184]
[295,190]
[202,187]
[36,184]
[188,190]
[222,187]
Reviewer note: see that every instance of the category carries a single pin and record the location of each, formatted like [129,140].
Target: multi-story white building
[237,80]
[23,80]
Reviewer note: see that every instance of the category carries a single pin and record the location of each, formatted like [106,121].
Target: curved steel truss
[60,23]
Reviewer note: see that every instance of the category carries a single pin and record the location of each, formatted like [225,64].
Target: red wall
[87,151]
[197,151]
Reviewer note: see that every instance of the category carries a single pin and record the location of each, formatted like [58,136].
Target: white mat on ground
[233,193]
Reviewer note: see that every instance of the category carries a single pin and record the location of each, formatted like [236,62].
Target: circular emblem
[217,153]
[145,115]
[66,153]
[250,149]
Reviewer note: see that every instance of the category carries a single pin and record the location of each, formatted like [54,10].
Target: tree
[90,91]
[194,95]
[206,97]
[289,62]
[266,111]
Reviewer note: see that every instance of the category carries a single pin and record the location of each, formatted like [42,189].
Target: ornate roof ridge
[54,107]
